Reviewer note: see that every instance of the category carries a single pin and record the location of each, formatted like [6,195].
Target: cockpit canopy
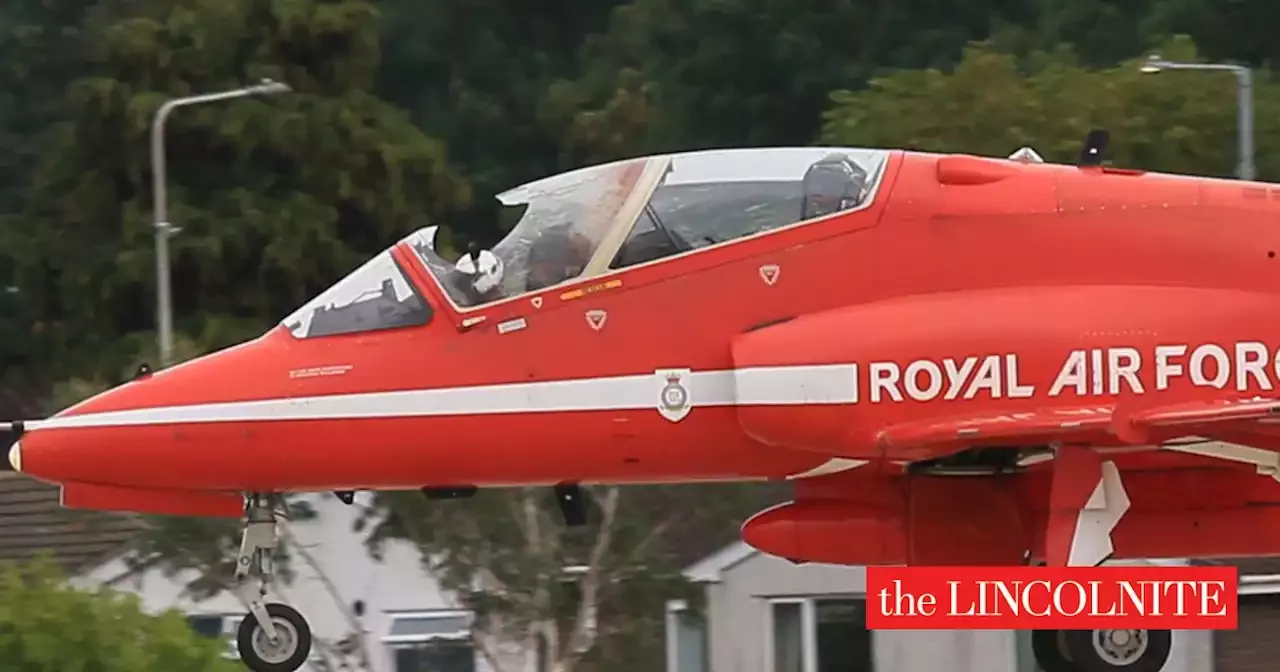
[378,295]
[591,221]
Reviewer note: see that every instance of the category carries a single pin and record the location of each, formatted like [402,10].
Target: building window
[686,639]
[432,641]
[844,643]
[819,635]
[218,626]
[206,625]
[1024,655]
[788,637]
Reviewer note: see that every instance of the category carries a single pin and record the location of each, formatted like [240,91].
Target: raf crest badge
[673,397]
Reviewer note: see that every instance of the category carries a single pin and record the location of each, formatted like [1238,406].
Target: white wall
[396,584]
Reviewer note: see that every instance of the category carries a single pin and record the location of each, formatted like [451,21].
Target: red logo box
[1051,598]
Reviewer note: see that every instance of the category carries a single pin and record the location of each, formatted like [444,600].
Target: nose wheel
[1101,650]
[272,637]
[285,652]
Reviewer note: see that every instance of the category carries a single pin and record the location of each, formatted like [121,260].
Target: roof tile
[33,521]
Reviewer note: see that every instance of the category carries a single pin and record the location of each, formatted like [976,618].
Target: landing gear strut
[1101,650]
[1087,499]
[273,637]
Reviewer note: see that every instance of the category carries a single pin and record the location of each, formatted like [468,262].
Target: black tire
[1147,651]
[1047,647]
[258,654]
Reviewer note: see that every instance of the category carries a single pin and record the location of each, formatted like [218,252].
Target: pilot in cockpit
[833,184]
[558,254]
[477,276]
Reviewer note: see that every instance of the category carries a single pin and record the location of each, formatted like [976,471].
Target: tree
[47,626]
[277,197]
[754,72]
[562,597]
[525,92]
[37,38]
[993,102]
[478,73]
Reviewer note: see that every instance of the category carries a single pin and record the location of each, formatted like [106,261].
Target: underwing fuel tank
[866,517]
[906,366]
[829,531]
[875,520]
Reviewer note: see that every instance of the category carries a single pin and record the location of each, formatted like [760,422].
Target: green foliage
[70,392]
[277,197]
[757,72]
[521,93]
[479,73]
[46,626]
[994,102]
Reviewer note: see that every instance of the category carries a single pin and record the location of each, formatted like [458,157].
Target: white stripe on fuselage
[783,385]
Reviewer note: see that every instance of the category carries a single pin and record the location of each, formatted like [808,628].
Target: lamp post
[1244,103]
[163,229]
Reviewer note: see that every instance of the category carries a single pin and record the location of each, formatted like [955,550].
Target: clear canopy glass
[378,295]
[590,221]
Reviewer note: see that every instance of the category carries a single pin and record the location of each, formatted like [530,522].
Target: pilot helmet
[483,268]
[832,184]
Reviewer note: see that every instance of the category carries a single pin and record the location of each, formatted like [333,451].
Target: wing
[1251,421]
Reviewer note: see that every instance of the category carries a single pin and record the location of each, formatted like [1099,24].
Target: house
[403,618]
[765,614]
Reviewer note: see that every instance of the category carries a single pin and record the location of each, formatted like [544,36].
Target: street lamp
[163,229]
[1244,103]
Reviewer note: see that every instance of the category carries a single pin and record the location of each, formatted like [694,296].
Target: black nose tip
[10,432]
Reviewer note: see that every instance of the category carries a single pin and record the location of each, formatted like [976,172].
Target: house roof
[710,568]
[33,521]
[1247,566]
[1258,576]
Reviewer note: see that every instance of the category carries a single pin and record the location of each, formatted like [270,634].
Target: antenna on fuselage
[1027,155]
[1094,150]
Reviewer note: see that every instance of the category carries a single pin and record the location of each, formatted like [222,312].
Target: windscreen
[563,222]
[376,296]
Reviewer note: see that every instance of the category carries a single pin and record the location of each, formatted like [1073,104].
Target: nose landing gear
[1101,650]
[273,637]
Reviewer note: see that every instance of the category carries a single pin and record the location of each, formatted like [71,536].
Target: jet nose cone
[9,435]
[165,430]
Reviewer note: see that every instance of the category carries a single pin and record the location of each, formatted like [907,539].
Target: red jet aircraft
[956,360]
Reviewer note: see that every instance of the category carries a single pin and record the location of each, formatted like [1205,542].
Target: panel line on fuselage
[756,386]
